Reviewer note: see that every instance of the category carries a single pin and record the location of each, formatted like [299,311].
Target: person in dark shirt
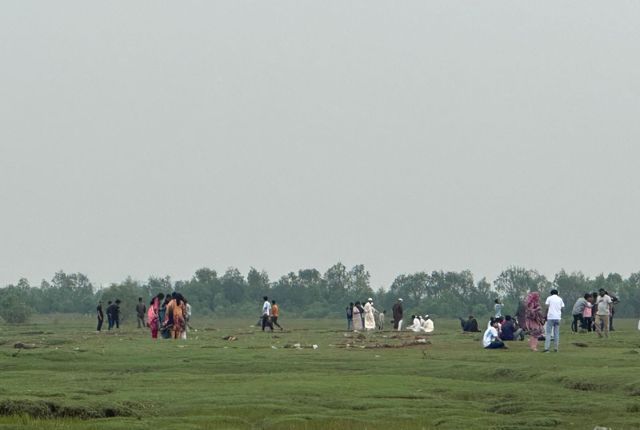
[116,313]
[397,315]
[510,331]
[110,306]
[100,316]
[470,325]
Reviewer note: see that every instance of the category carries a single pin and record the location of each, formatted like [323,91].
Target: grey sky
[153,138]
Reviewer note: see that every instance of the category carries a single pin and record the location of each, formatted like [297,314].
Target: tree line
[310,293]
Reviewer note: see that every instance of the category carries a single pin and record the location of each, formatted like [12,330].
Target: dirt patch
[47,409]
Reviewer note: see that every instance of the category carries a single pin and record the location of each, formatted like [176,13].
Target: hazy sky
[153,138]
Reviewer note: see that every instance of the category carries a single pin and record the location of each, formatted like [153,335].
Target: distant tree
[514,283]
[13,304]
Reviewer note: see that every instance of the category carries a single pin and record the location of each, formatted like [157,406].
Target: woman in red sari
[534,319]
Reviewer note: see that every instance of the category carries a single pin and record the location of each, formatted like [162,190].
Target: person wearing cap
[397,315]
[427,324]
[369,315]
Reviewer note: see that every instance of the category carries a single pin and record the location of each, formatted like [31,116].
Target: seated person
[490,339]
[510,330]
[427,325]
[416,326]
[470,325]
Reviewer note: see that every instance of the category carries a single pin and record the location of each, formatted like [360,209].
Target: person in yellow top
[275,313]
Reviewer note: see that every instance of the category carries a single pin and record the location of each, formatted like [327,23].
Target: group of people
[541,325]
[113,315]
[584,318]
[361,317]
[421,324]
[367,317]
[169,316]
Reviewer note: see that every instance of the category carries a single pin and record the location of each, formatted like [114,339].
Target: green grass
[76,379]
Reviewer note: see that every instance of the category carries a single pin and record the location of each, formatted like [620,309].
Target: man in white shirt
[490,339]
[603,311]
[266,314]
[554,313]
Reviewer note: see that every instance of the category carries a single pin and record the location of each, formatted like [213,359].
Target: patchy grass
[77,379]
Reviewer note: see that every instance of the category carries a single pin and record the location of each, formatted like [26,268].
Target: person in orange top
[275,313]
[178,318]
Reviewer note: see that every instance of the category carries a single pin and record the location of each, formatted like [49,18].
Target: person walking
[350,316]
[266,314]
[116,313]
[554,305]
[275,313]
[603,311]
[100,316]
[397,315]
[141,310]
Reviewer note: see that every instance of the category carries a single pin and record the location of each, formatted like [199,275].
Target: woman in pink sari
[152,315]
[534,319]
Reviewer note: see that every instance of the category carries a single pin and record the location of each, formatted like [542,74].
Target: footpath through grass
[76,379]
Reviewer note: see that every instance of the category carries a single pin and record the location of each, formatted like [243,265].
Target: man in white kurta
[415,327]
[369,316]
[427,324]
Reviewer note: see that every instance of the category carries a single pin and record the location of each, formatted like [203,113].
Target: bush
[13,310]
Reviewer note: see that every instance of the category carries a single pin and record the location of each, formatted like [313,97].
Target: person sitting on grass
[491,340]
[510,330]
[416,326]
[470,325]
[427,324]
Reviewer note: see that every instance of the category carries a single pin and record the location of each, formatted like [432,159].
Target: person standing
[397,315]
[110,307]
[116,313]
[153,315]
[369,315]
[381,320]
[100,316]
[497,308]
[576,312]
[533,319]
[554,305]
[350,316]
[266,314]
[603,311]
[275,313]
[587,313]
[357,320]
[141,309]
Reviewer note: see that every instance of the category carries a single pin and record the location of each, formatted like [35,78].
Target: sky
[155,138]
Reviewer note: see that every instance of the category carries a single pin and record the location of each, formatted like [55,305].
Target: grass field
[76,379]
